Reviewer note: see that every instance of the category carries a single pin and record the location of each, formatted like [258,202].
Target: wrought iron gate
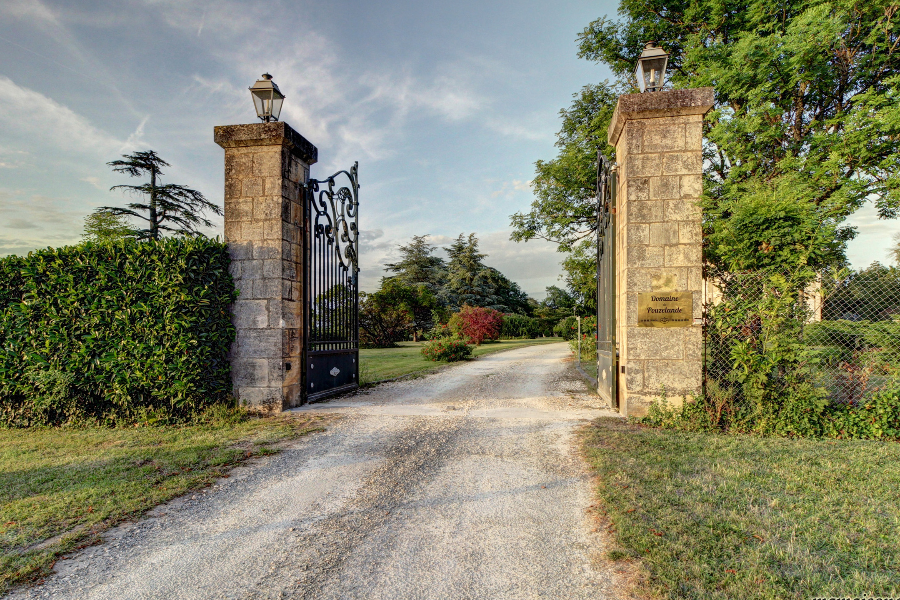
[331,286]
[607,352]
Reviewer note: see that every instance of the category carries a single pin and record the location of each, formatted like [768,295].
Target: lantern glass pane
[258,104]
[655,71]
[277,101]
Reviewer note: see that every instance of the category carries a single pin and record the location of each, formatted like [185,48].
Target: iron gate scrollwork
[331,284]
[607,351]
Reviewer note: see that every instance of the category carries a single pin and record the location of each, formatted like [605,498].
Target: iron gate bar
[331,286]
[607,350]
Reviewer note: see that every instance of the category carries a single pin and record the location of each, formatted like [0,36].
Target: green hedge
[520,327]
[566,328]
[114,331]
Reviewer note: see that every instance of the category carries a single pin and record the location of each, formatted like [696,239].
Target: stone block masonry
[658,138]
[265,167]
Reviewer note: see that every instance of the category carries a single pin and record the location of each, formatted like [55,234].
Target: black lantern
[267,98]
[651,68]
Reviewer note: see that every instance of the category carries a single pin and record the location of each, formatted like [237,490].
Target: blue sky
[446,106]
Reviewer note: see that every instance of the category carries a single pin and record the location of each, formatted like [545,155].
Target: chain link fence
[584,345]
[833,336]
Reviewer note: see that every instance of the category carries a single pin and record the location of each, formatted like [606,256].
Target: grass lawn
[713,516]
[60,488]
[378,364]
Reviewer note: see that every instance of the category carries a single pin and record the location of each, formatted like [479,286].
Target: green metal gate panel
[607,351]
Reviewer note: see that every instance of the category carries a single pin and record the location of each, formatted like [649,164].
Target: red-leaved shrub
[476,324]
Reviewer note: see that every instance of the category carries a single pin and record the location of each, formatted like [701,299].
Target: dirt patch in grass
[61,488]
[723,517]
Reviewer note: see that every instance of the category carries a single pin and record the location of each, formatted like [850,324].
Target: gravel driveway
[461,484]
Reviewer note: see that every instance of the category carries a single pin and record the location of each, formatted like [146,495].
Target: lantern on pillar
[651,68]
[267,98]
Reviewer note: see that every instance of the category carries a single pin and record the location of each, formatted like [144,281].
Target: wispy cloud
[94,181]
[21,211]
[58,126]
[510,188]
[20,224]
[24,245]
[136,138]
[353,113]
[31,10]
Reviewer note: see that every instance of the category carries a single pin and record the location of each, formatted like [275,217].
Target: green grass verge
[60,488]
[378,364]
[712,516]
[590,368]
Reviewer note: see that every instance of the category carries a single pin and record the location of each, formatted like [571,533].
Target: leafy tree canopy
[169,207]
[808,87]
[385,317]
[104,226]
[806,101]
[774,227]
[580,275]
[559,299]
[463,279]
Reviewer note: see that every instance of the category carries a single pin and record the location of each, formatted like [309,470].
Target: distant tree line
[423,291]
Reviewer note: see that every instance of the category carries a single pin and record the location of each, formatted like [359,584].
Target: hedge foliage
[522,327]
[567,328]
[877,418]
[448,349]
[106,332]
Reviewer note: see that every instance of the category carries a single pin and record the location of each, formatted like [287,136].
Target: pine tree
[417,264]
[462,286]
[170,207]
[470,281]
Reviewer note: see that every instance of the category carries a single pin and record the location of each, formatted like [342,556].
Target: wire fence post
[578,360]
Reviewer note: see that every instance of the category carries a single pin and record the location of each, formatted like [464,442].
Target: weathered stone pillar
[265,165]
[658,138]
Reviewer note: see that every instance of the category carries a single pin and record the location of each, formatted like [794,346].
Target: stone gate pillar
[265,164]
[658,138]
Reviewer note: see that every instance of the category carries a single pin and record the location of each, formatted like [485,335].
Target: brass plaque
[665,309]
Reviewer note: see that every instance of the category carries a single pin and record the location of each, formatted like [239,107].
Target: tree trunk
[154,226]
